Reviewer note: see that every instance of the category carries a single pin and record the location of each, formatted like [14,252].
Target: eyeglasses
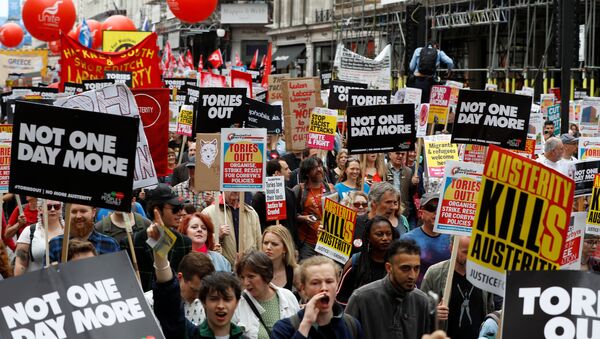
[175,209]
[430,208]
[56,207]
[360,204]
[592,242]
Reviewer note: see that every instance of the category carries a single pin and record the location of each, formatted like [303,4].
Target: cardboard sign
[322,129]
[262,115]
[593,216]
[381,128]
[585,171]
[208,162]
[220,108]
[244,153]
[474,153]
[242,80]
[458,200]
[275,89]
[412,96]
[275,198]
[80,63]
[589,148]
[185,120]
[153,105]
[335,241]
[93,85]
[22,61]
[573,245]
[179,83]
[439,101]
[97,297]
[551,304]
[89,156]
[554,116]
[72,88]
[520,223]
[119,100]
[5,148]
[368,97]
[300,96]
[338,93]
[119,77]
[439,150]
[494,118]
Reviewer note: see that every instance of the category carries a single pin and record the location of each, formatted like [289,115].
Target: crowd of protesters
[233,274]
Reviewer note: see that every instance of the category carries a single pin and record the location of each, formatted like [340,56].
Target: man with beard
[82,228]
[392,307]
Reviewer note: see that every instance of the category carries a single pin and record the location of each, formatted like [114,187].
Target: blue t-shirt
[343,190]
[102,212]
[433,249]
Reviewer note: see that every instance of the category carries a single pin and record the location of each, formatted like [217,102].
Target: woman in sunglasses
[367,265]
[358,201]
[31,245]
[589,262]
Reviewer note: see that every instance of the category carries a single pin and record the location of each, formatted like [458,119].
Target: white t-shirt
[39,246]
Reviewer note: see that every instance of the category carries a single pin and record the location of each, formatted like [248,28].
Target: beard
[81,231]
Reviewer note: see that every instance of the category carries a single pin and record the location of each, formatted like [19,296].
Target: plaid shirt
[145,257]
[103,243]
[183,190]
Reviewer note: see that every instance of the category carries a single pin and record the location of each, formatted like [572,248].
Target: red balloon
[45,19]
[192,11]
[118,23]
[96,29]
[74,35]
[54,46]
[11,35]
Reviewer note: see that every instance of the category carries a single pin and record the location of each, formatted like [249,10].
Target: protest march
[161,186]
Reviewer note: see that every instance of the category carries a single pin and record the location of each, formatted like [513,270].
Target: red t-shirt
[31,216]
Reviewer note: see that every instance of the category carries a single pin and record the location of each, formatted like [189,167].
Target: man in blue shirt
[424,79]
[82,228]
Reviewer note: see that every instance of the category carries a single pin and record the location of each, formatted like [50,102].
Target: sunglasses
[56,207]
[430,207]
[176,209]
[360,204]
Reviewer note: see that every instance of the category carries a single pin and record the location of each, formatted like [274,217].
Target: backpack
[428,61]
[496,316]
[348,320]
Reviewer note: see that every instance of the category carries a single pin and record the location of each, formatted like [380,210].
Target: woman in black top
[278,245]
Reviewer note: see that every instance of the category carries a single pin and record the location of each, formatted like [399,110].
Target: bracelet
[162,269]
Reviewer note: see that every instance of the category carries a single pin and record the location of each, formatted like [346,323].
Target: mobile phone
[312,218]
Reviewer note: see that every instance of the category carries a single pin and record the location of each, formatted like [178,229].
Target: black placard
[551,304]
[97,297]
[179,82]
[192,93]
[120,77]
[220,108]
[491,118]
[325,77]
[584,172]
[381,128]
[97,84]
[368,97]
[261,96]
[261,115]
[73,88]
[73,156]
[338,93]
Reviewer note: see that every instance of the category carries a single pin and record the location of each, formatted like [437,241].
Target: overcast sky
[3,7]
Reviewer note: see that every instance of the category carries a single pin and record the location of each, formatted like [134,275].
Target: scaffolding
[512,43]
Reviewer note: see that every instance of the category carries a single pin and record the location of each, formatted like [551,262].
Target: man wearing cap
[435,247]
[186,190]
[170,207]
[570,144]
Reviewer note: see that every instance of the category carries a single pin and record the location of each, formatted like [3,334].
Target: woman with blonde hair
[340,159]
[358,201]
[373,167]
[278,245]
[351,180]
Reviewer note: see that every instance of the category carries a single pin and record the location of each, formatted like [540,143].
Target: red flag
[254,60]
[167,56]
[238,62]
[267,71]
[189,59]
[262,62]
[216,59]
[200,64]
[180,63]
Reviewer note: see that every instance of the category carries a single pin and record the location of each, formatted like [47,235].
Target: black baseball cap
[164,194]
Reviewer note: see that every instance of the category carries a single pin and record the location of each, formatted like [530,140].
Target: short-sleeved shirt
[343,190]
[433,249]
[38,248]
[103,244]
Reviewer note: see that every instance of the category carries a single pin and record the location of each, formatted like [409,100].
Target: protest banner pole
[181,150]
[45,221]
[66,234]
[450,274]
[129,231]
[19,204]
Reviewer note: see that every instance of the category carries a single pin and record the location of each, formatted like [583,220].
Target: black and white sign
[338,93]
[72,88]
[262,115]
[585,171]
[192,93]
[179,82]
[44,92]
[73,156]
[381,128]
[551,304]
[491,118]
[120,77]
[368,97]
[261,96]
[97,297]
[220,108]
[97,84]
[325,80]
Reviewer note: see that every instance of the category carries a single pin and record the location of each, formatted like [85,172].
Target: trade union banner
[522,220]
[80,63]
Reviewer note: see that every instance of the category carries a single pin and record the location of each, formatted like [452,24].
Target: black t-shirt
[327,331]
[466,309]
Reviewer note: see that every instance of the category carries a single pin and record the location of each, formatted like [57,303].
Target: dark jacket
[260,206]
[283,329]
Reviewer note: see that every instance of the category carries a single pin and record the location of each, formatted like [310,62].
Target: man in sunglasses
[435,247]
[170,207]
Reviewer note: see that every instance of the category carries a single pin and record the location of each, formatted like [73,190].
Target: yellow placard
[119,41]
[593,217]
[336,239]
[441,112]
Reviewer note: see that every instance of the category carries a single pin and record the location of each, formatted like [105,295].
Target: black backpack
[428,61]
